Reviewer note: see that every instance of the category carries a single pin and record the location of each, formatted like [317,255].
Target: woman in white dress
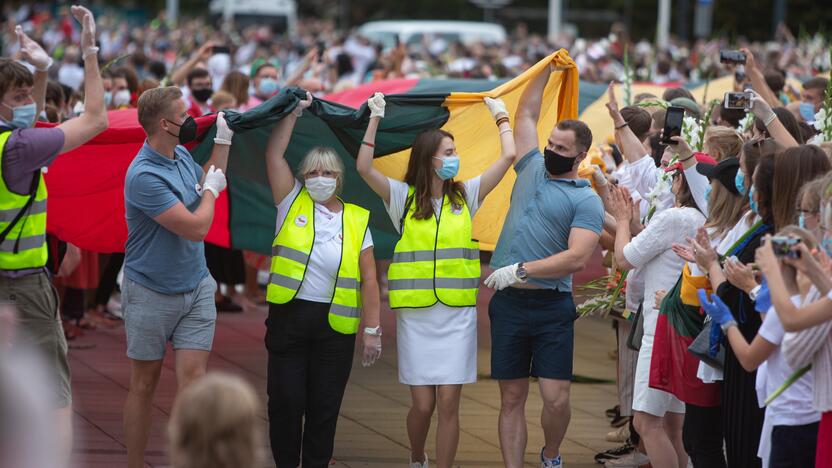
[434,277]
[657,415]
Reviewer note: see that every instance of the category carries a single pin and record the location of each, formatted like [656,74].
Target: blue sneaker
[549,462]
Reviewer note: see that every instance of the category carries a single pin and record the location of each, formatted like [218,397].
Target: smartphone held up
[672,124]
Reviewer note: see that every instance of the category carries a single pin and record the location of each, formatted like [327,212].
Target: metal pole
[172,11]
[663,26]
[555,18]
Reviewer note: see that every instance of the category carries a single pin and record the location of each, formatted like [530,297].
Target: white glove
[214,181]
[303,104]
[760,108]
[372,349]
[376,105]
[503,277]
[497,107]
[87,21]
[224,134]
[32,52]
[598,176]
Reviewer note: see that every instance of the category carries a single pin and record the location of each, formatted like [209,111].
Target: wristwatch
[753,293]
[521,271]
[375,331]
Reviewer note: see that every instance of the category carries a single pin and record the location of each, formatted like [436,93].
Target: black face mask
[187,130]
[202,95]
[557,164]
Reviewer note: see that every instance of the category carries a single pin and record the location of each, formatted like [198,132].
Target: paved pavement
[371,428]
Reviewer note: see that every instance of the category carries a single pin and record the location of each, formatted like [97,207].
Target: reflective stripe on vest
[25,245]
[435,260]
[292,248]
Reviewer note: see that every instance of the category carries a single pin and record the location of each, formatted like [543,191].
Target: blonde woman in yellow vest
[435,274]
[321,287]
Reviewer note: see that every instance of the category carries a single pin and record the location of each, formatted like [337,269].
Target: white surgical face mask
[321,188]
[121,98]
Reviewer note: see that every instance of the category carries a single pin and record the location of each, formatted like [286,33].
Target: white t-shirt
[322,270]
[698,185]
[794,406]
[398,199]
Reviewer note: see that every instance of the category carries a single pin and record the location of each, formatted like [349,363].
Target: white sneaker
[423,464]
[631,460]
[619,435]
[550,463]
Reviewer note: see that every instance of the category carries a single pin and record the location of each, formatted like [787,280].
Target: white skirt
[646,399]
[437,345]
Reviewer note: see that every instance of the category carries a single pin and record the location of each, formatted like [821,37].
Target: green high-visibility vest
[25,245]
[435,260]
[292,248]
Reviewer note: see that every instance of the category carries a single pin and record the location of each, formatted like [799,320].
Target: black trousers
[109,274]
[309,365]
[702,436]
[793,446]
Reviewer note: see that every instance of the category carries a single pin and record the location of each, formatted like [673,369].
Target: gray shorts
[151,319]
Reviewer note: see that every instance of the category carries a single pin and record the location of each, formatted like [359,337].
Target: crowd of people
[727,248]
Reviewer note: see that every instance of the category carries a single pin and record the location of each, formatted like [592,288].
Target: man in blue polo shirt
[551,230]
[167,292]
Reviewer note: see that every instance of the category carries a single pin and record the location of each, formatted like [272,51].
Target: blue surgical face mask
[267,87]
[708,190]
[751,201]
[807,111]
[23,116]
[450,167]
[826,243]
[108,98]
[739,182]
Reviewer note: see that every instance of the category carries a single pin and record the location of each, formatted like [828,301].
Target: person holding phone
[790,426]
[435,274]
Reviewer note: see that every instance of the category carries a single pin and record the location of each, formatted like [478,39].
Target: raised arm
[758,80]
[280,175]
[93,121]
[761,109]
[495,172]
[631,147]
[301,69]
[33,53]
[179,75]
[528,113]
[364,163]
[621,208]
[222,145]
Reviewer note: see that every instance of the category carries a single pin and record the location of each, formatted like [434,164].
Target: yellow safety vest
[292,248]
[25,245]
[435,260]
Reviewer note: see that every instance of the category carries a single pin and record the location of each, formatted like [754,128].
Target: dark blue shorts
[532,334]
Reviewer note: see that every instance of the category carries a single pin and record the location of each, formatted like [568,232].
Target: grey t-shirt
[156,258]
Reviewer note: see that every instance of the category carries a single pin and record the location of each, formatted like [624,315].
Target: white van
[281,15]
[412,32]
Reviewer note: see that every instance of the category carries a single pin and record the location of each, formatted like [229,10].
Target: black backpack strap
[33,190]
[407,204]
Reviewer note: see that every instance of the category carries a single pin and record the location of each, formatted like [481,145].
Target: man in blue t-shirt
[551,230]
[167,292]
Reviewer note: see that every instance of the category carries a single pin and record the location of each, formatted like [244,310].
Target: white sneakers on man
[634,459]
[423,464]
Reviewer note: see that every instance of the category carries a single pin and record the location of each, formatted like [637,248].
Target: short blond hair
[214,424]
[324,158]
[223,100]
[155,103]
[725,141]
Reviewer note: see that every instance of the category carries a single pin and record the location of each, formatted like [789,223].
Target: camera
[784,246]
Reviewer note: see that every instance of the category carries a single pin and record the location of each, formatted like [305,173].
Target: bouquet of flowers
[823,118]
[605,296]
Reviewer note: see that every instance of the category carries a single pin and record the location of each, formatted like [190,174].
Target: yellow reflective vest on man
[24,246]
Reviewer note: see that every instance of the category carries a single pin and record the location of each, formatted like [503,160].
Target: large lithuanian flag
[86,186]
